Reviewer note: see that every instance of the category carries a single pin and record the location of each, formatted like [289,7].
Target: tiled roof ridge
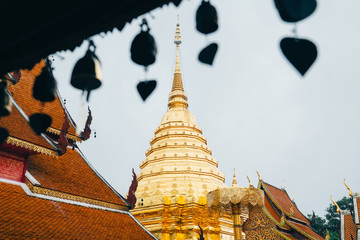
[28,191]
[63,195]
[263,184]
[101,177]
[23,143]
[293,226]
[31,194]
[71,120]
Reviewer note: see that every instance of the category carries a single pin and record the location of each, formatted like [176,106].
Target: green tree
[317,224]
[331,222]
[333,218]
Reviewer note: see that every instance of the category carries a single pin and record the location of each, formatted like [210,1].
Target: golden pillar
[236,220]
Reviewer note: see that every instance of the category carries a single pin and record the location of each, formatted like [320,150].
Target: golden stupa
[177,174]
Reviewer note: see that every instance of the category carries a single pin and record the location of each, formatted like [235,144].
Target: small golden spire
[258,175]
[284,184]
[177,96]
[327,235]
[234,182]
[350,192]
[337,206]
[250,184]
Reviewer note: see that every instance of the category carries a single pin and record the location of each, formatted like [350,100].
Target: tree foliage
[331,222]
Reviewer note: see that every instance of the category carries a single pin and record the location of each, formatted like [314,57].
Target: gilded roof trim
[69,136]
[31,146]
[67,196]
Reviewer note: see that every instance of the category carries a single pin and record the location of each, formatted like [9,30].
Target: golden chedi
[177,174]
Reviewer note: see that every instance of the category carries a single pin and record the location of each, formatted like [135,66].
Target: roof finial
[258,175]
[234,182]
[250,184]
[337,206]
[177,96]
[350,192]
[327,237]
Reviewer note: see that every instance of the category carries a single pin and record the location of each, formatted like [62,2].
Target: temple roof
[72,174]
[46,29]
[28,217]
[22,94]
[283,201]
[60,197]
[284,212]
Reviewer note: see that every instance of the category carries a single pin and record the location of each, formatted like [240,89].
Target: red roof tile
[307,230]
[25,217]
[350,227]
[71,174]
[19,128]
[271,210]
[22,94]
[283,199]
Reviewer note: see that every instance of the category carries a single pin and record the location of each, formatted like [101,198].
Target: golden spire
[177,96]
[337,206]
[258,175]
[292,212]
[327,235]
[350,192]
[234,182]
[250,184]
[284,185]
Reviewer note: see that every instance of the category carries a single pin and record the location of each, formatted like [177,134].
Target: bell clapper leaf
[301,53]
[145,88]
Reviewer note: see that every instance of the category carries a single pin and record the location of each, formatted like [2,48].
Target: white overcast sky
[255,109]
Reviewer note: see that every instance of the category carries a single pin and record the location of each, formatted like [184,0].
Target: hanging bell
[143,48]
[5,101]
[39,122]
[44,88]
[295,10]
[86,74]
[206,18]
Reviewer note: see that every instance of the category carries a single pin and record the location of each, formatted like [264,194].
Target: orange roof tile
[349,227]
[22,94]
[283,199]
[306,229]
[19,128]
[70,173]
[25,217]
[271,209]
